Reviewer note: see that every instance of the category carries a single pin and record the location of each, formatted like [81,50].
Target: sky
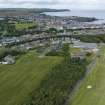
[58,4]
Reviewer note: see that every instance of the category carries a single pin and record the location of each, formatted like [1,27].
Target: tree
[66,52]
[52,31]
[11,28]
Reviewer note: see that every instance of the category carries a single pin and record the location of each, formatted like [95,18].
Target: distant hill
[26,11]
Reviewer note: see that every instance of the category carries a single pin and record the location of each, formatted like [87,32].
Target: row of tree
[91,38]
[9,51]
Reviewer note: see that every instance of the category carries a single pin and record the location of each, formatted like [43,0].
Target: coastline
[98,15]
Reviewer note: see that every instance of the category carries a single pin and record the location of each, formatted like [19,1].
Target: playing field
[19,80]
[92,90]
[20,26]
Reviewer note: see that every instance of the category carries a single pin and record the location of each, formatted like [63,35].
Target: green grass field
[75,50]
[19,80]
[96,94]
[20,26]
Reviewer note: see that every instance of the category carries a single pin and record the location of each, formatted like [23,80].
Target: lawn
[19,80]
[75,50]
[20,26]
[96,94]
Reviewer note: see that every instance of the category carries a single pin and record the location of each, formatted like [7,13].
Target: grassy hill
[19,80]
[96,94]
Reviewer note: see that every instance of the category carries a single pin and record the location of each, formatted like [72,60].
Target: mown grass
[21,26]
[19,80]
[95,95]
[75,50]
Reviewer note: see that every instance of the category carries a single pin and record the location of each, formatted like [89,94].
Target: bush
[88,54]
[7,51]
[53,53]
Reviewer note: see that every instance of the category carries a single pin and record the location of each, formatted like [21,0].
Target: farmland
[92,90]
[19,80]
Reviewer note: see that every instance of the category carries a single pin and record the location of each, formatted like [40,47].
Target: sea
[99,14]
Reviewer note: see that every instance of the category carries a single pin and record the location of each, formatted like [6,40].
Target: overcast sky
[69,4]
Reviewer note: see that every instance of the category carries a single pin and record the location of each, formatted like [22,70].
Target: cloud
[44,2]
[71,4]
